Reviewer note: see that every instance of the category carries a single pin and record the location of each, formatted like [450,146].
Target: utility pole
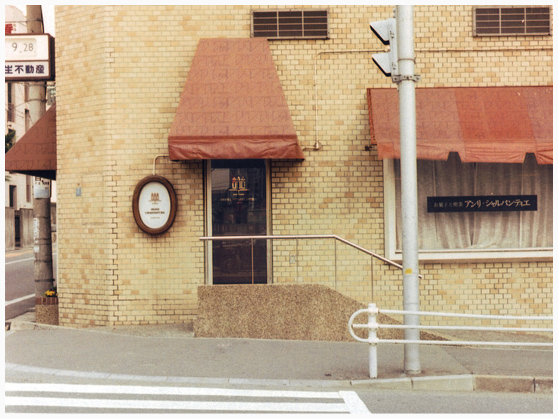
[44,278]
[399,64]
[409,200]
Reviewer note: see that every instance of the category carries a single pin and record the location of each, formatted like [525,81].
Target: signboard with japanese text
[28,57]
[482,203]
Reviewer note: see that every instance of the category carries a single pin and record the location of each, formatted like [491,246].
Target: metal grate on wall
[290,24]
[510,21]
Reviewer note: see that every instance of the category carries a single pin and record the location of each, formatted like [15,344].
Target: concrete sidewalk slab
[174,354]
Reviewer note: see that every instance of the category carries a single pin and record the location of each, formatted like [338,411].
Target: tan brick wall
[120,72]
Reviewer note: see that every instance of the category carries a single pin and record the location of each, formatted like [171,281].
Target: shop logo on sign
[154,198]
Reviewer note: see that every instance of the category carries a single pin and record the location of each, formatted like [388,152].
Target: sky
[48,19]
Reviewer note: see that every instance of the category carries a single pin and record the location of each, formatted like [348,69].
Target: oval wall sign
[154,204]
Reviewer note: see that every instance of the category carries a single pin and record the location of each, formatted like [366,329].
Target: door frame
[208,211]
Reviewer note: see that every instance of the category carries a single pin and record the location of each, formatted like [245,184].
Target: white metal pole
[372,341]
[407,125]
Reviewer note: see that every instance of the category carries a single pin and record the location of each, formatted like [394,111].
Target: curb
[541,385]
[467,382]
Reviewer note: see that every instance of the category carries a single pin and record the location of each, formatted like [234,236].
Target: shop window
[28,188]
[28,123]
[13,196]
[10,112]
[479,231]
[506,21]
[290,24]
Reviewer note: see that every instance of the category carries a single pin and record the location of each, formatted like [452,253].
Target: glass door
[238,208]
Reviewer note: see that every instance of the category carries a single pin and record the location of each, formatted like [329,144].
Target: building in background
[18,186]
[177,123]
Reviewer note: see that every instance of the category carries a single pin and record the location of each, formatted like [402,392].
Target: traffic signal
[386,30]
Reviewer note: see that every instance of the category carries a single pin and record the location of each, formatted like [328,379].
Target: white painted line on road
[174,391]
[355,404]
[176,405]
[25,260]
[351,403]
[17,300]
[18,261]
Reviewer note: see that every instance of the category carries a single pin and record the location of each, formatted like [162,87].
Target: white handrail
[464,343]
[477,316]
[482,328]
[373,326]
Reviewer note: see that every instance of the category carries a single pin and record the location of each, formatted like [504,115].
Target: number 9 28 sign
[154,204]
[29,57]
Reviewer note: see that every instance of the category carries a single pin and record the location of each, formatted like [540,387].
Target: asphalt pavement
[171,353]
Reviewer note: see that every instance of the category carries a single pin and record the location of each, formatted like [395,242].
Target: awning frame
[34,153]
[233,105]
[485,124]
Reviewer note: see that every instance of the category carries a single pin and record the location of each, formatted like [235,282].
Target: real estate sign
[28,57]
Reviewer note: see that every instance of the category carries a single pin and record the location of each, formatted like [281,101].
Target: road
[423,401]
[80,395]
[19,281]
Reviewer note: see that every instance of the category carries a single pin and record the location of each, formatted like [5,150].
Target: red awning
[35,152]
[482,124]
[233,106]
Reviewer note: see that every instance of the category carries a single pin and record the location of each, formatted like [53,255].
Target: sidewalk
[172,354]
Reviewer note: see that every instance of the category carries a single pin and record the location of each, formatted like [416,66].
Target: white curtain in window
[481,230]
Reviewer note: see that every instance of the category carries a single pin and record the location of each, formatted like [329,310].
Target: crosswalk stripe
[176,405]
[351,403]
[355,404]
[176,391]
